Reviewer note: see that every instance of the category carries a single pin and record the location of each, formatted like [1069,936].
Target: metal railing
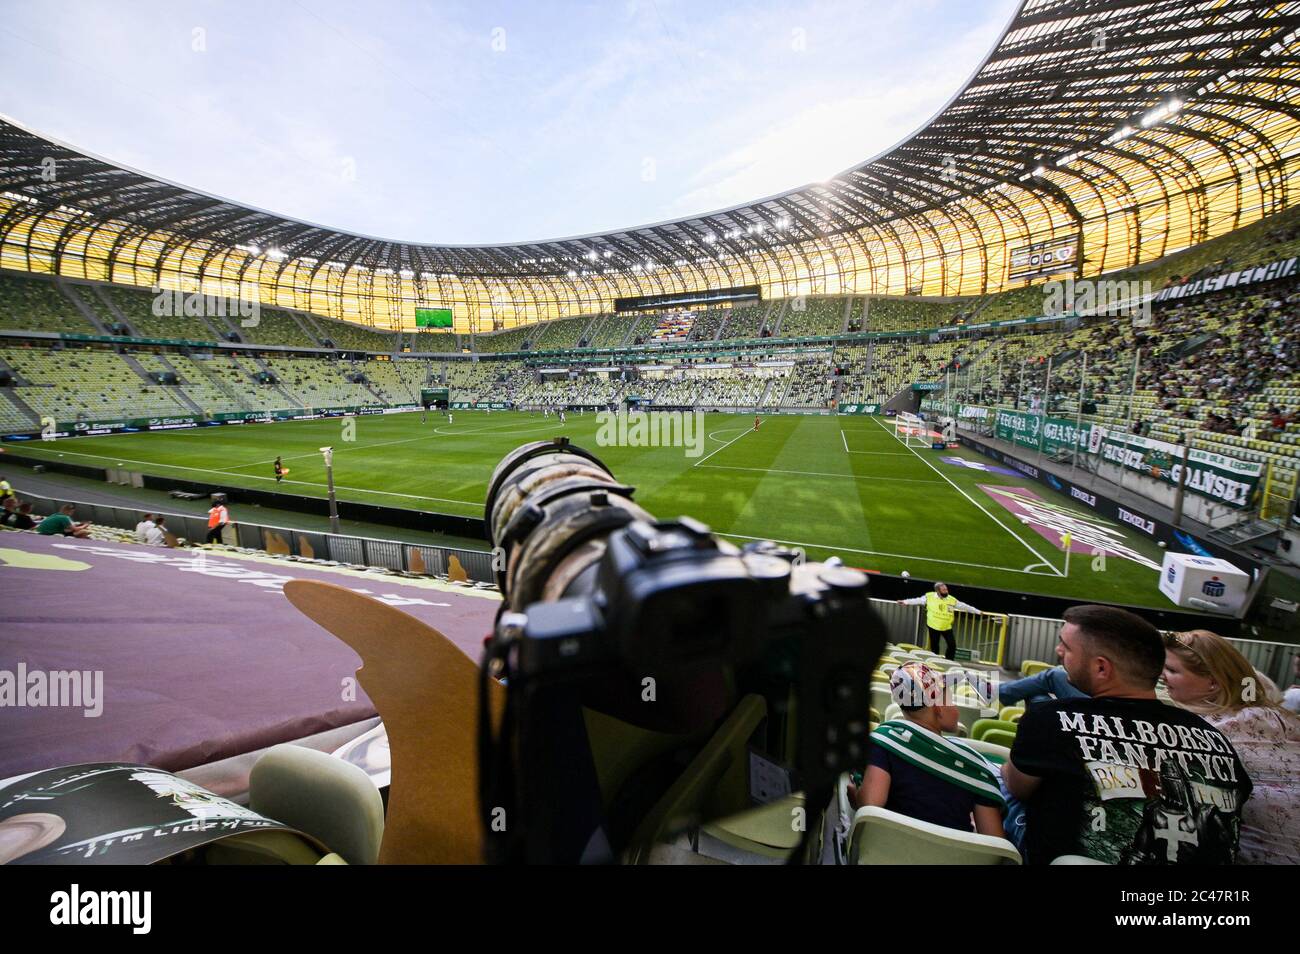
[456,563]
[980,638]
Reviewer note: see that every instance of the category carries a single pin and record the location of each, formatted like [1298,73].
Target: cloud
[454,140]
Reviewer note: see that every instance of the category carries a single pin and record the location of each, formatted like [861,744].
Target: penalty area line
[897,556]
[986,512]
[722,448]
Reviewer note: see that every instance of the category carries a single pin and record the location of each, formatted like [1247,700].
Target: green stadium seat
[883,837]
[981,728]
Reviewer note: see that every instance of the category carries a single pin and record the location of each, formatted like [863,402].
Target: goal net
[911,430]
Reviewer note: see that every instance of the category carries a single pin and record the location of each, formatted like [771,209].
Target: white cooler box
[1205,583]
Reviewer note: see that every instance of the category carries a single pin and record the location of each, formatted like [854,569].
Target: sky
[488,122]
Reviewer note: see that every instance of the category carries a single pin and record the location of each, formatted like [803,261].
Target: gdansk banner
[1224,479]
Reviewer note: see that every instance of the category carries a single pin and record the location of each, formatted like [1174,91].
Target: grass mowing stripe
[976,503]
[817,473]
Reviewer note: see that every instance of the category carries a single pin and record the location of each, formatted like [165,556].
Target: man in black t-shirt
[1120,776]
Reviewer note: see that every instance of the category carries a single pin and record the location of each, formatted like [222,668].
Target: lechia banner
[1049,434]
[1225,479]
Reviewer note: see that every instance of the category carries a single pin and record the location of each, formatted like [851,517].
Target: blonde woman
[1204,673]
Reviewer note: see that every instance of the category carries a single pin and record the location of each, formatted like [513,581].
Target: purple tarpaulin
[202,656]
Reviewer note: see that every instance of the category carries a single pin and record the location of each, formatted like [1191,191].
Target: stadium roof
[1085,110]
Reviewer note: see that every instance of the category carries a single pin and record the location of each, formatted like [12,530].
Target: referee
[940,610]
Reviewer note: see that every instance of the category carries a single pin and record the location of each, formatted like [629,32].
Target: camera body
[664,626]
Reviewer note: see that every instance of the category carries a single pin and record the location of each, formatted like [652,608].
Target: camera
[660,626]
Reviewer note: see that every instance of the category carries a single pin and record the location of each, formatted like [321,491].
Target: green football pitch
[842,486]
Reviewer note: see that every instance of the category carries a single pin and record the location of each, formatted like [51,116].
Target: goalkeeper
[940,610]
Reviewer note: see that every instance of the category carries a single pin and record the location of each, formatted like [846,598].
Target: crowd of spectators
[1107,764]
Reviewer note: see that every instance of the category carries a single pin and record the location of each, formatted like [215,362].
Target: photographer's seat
[882,837]
[695,794]
[771,831]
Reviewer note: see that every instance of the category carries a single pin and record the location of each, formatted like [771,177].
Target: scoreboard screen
[434,397]
[433,318]
[1044,258]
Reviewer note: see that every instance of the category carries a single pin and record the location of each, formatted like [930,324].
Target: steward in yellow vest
[940,610]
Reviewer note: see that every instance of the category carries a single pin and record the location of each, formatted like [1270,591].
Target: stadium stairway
[179,390]
[224,326]
[282,391]
[216,381]
[775,323]
[109,306]
[632,329]
[309,325]
[13,410]
[79,303]
[307,329]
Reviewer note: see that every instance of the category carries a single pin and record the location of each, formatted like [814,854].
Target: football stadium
[942,511]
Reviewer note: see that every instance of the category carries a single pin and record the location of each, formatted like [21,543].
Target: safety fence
[456,563]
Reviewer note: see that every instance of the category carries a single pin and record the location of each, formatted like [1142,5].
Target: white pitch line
[846,442]
[899,556]
[817,473]
[304,483]
[723,447]
[979,505]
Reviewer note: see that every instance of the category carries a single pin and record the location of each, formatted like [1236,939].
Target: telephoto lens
[550,508]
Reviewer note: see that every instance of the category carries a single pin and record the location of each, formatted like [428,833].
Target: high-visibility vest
[216,517]
[5,489]
[939,611]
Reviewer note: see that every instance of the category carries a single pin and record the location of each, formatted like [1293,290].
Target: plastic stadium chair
[768,830]
[882,837]
[969,715]
[1011,713]
[1076,860]
[984,726]
[329,799]
[908,647]
[684,802]
[881,697]
[893,711]
[997,754]
[1000,737]
[1031,666]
